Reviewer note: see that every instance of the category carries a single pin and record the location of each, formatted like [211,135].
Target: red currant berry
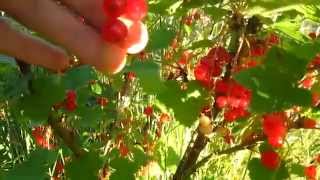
[275,141]
[309,123]
[131,76]
[115,8]
[124,150]
[270,160]
[148,111]
[274,124]
[102,101]
[114,31]
[310,172]
[136,9]
[164,117]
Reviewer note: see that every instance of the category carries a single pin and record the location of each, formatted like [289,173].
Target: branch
[66,134]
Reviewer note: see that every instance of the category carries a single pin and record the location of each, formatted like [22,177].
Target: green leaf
[149,75]
[84,168]
[291,29]
[78,77]
[160,39]
[125,168]
[35,167]
[215,13]
[275,4]
[258,172]
[201,44]
[274,84]
[186,104]
[45,92]
[296,169]
[89,116]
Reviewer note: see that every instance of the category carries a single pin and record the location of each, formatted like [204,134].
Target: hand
[62,24]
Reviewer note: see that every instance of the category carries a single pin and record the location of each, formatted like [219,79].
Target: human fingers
[31,50]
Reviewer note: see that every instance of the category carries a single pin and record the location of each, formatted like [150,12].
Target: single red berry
[309,123]
[274,124]
[221,102]
[310,172]
[184,59]
[131,76]
[188,20]
[136,9]
[222,87]
[70,106]
[308,82]
[273,39]
[202,74]
[270,160]
[234,114]
[124,150]
[315,62]
[71,95]
[275,141]
[148,111]
[114,31]
[164,117]
[315,99]
[102,101]
[115,8]
[59,168]
[258,50]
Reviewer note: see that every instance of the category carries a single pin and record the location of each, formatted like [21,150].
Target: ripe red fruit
[115,8]
[220,54]
[310,172]
[275,141]
[273,39]
[258,50]
[102,101]
[70,103]
[131,76]
[59,168]
[202,74]
[184,59]
[148,110]
[315,99]
[137,38]
[71,95]
[114,31]
[188,20]
[309,123]
[274,125]
[136,9]
[41,137]
[164,117]
[234,114]
[270,160]
[308,82]
[123,149]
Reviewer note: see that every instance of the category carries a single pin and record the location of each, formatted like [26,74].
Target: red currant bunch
[274,127]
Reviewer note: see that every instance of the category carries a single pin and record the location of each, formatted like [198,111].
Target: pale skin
[63,27]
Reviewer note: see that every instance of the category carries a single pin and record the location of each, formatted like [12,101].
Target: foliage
[273,47]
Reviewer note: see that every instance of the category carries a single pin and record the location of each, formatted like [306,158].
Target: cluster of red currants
[210,66]
[275,128]
[123,26]
[234,98]
[42,137]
